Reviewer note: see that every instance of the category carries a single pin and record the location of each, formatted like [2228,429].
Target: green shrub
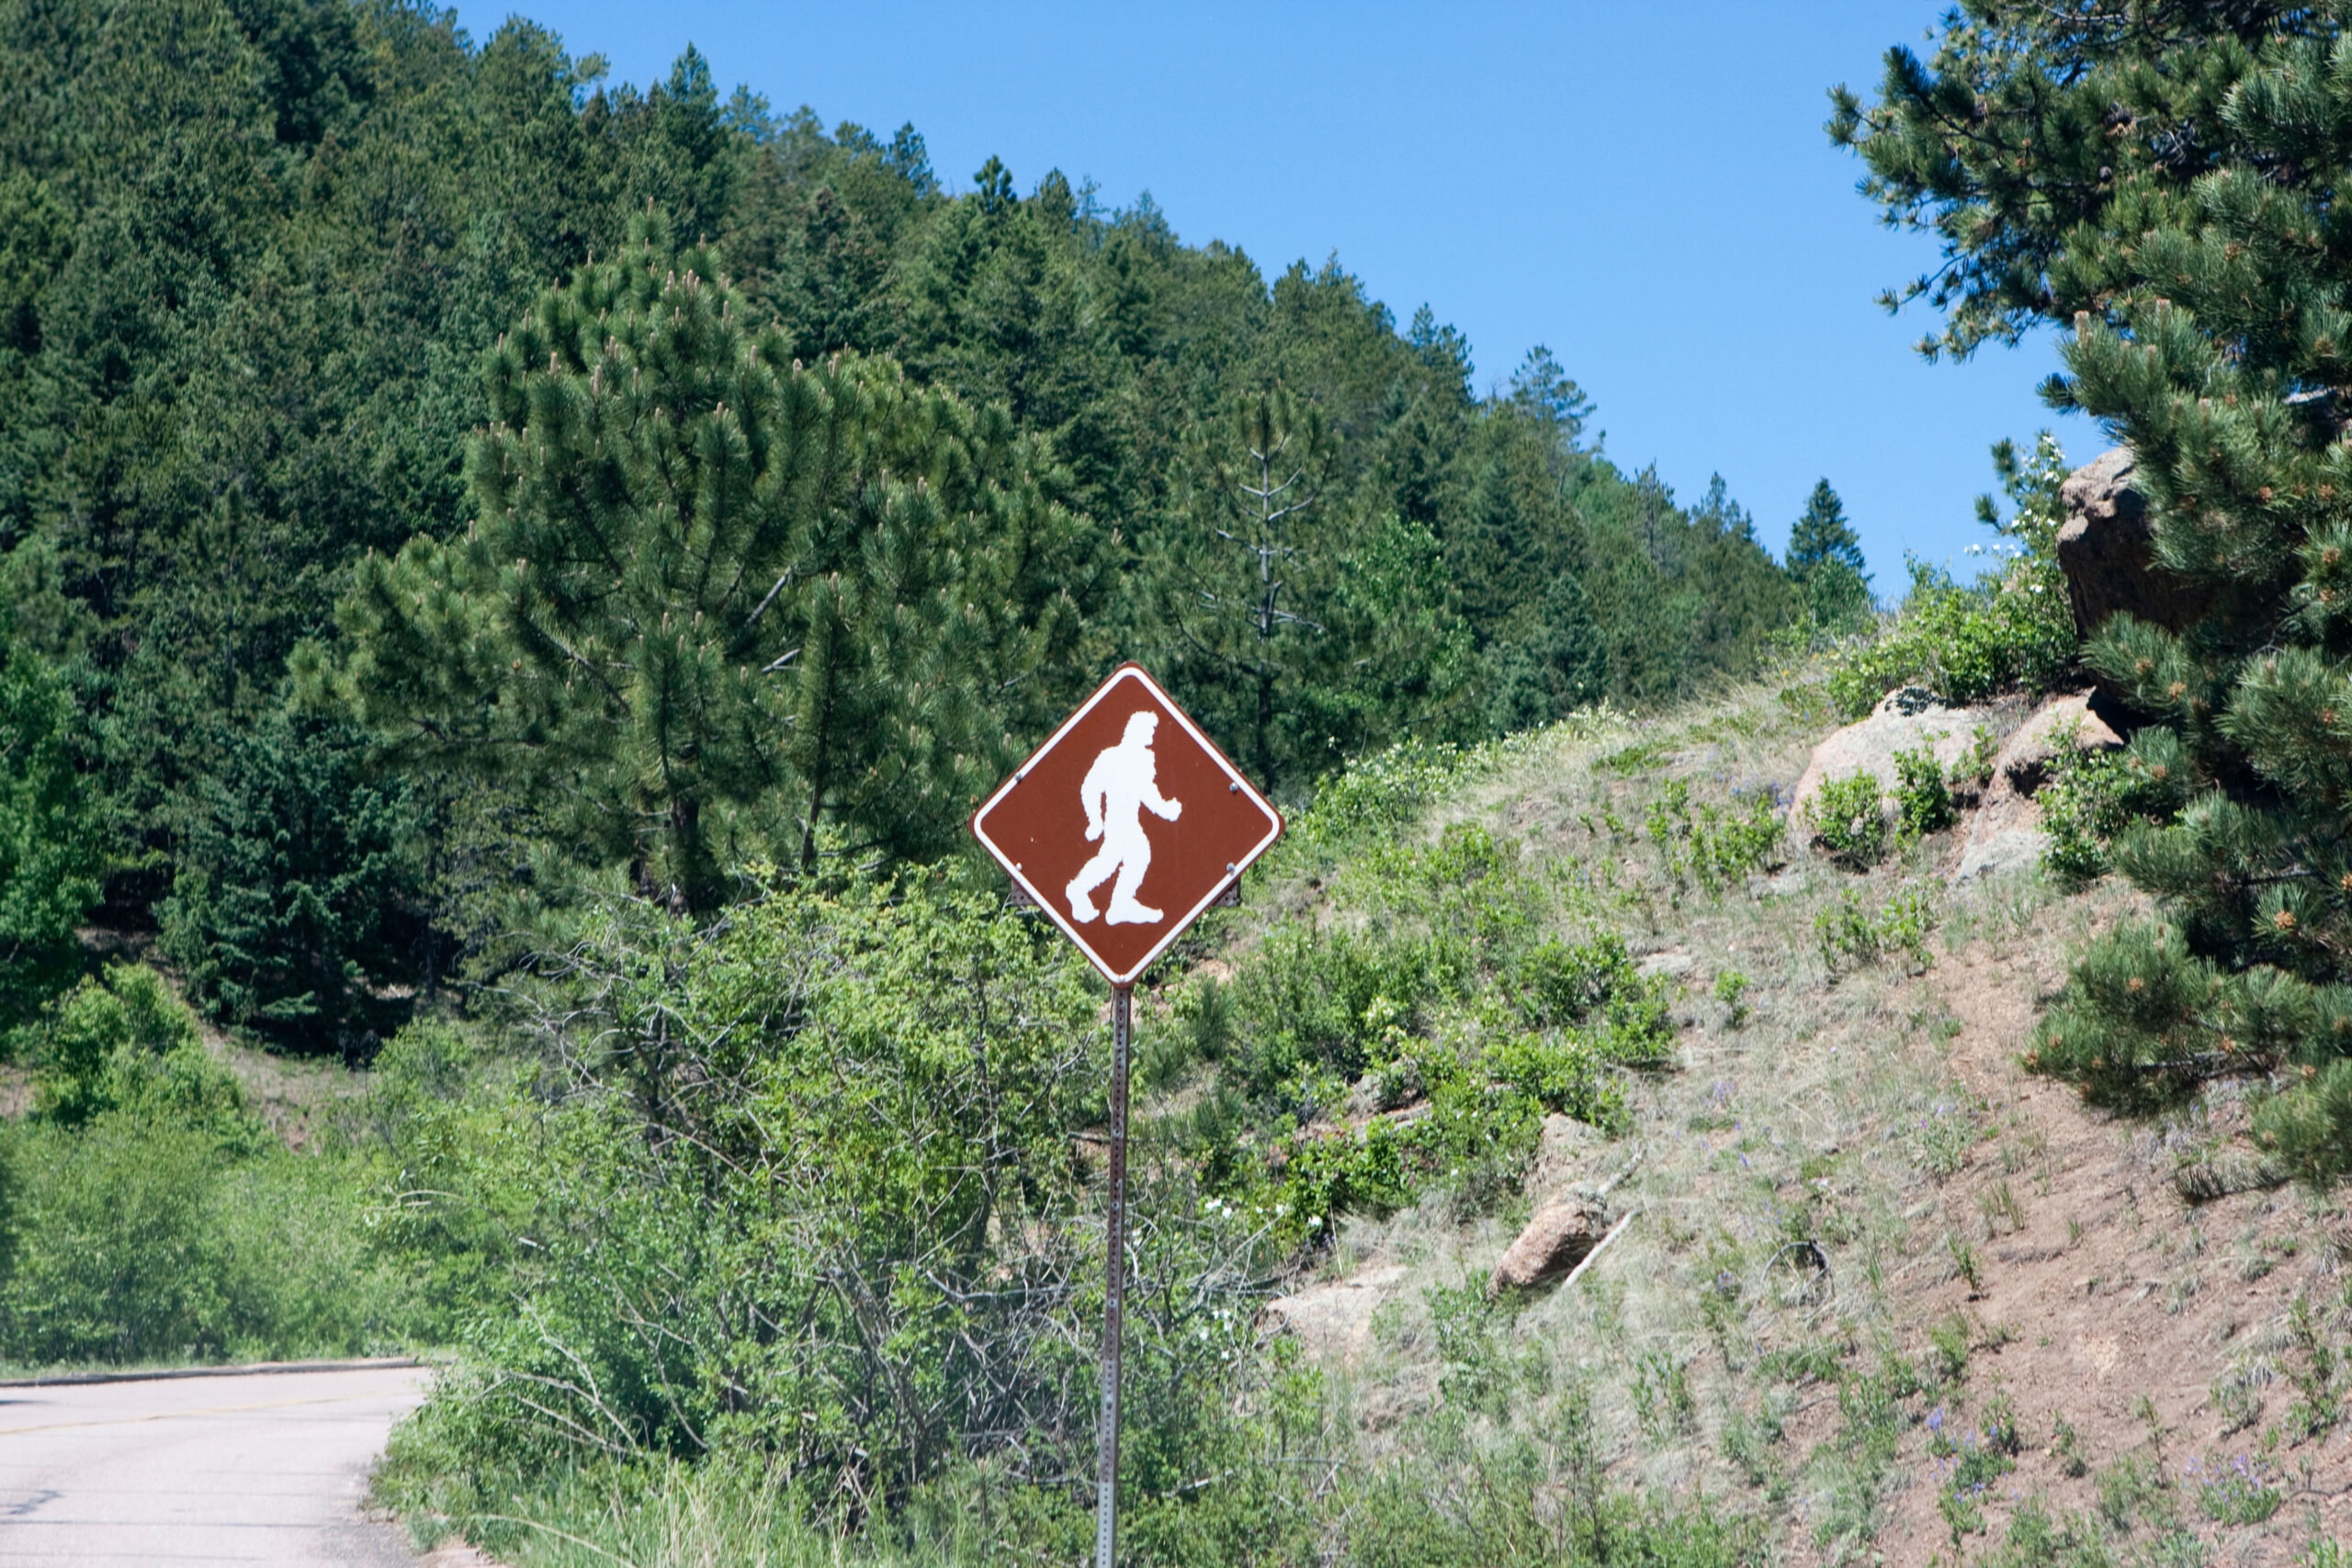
[1922,803]
[1560,982]
[153,1218]
[1973,771]
[1265,1487]
[1718,845]
[1311,1003]
[1848,817]
[2092,796]
[1563,1072]
[1731,989]
[849,1109]
[1852,931]
[2133,1493]
[122,1040]
[1962,643]
[136,1239]
[2013,627]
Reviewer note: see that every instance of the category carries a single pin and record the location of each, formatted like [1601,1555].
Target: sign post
[1122,827]
[1114,1286]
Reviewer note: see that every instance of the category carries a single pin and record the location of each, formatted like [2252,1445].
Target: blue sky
[1645,189]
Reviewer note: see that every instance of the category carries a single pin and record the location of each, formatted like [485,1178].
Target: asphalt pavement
[241,1469]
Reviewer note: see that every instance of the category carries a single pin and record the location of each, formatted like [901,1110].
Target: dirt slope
[1867,1238]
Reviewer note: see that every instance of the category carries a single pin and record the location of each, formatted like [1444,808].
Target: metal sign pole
[1114,1291]
[1071,820]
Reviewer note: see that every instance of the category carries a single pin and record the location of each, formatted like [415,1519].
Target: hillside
[1883,1295]
[1878,1294]
[1876,1266]
[260,331]
[511,585]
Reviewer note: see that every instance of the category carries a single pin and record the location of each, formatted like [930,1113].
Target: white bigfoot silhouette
[1122,783]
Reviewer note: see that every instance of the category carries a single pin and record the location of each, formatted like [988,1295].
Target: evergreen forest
[317,322]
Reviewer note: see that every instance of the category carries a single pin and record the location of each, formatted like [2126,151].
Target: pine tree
[1540,389]
[719,602]
[297,882]
[1562,666]
[1821,536]
[1408,655]
[1742,595]
[2213,344]
[2039,141]
[1244,580]
[50,848]
[1825,560]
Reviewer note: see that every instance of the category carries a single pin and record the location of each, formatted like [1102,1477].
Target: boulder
[2106,551]
[1910,719]
[1554,1241]
[2063,724]
[2005,833]
[1333,1320]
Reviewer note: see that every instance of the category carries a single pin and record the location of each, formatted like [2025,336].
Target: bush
[1312,1006]
[1854,932]
[122,1041]
[1561,983]
[137,1239]
[153,1218]
[2092,796]
[1922,803]
[1719,845]
[1967,643]
[848,1110]
[1849,818]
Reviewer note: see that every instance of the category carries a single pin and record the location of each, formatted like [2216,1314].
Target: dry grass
[1978,1225]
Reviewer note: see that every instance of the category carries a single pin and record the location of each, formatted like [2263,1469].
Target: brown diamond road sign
[1127,824]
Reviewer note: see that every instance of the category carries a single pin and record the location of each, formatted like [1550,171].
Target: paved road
[247,1469]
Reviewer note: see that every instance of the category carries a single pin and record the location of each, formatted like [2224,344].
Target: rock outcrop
[1333,1320]
[2061,725]
[2005,831]
[1909,719]
[2106,550]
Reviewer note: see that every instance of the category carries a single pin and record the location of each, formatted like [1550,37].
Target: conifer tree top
[1823,535]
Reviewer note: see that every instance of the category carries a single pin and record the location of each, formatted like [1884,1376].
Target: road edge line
[254,1369]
